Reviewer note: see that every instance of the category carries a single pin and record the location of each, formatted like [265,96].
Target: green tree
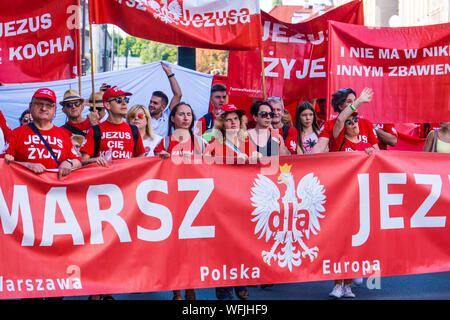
[155,51]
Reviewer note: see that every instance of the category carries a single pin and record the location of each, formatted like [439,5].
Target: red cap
[230,108]
[114,92]
[45,93]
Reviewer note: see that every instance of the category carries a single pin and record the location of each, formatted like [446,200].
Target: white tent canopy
[141,81]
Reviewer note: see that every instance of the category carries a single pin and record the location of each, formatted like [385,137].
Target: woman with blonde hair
[140,117]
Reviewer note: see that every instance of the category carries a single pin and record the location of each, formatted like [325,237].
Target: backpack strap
[435,140]
[97,138]
[36,130]
[74,130]
[209,120]
[135,132]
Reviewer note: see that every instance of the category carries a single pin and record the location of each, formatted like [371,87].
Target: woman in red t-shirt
[230,143]
[181,142]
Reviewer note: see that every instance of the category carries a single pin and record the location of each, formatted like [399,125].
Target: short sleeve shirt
[388,128]
[352,146]
[116,139]
[83,126]
[291,140]
[161,126]
[26,146]
[367,133]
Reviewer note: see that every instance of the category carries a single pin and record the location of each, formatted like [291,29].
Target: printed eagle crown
[285,168]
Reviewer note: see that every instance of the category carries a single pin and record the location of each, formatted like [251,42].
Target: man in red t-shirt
[218,98]
[289,133]
[28,149]
[73,106]
[116,138]
[345,103]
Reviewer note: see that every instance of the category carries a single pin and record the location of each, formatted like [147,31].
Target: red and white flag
[295,56]
[212,24]
[39,40]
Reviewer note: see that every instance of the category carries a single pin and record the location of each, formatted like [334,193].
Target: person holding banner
[41,146]
[387,135]
[289,133]
[73,107]
[307,127]
[159,106]
[140,117]
[181,143]
[438,140]
[267,141]
[113,139]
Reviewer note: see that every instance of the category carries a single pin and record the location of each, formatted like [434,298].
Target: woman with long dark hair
[307,127]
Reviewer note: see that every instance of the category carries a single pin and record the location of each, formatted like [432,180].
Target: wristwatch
[69,161]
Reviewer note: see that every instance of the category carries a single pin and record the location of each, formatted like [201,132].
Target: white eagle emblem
[297,225]
[168,13]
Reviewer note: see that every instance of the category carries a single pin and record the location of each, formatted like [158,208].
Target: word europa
[230,274]
[198,20]
[418,220]
[57,197]
[355,266]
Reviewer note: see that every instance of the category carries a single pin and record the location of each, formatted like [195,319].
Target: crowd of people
[168,129]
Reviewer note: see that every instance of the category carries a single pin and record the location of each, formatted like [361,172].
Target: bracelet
[171,75]
[352,107]
[69,161]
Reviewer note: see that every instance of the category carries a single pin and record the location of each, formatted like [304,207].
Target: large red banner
[211,24]
[150,224]
[295,57]
[39,40]
[401,65]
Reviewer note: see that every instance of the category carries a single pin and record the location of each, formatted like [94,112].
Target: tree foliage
[211,61]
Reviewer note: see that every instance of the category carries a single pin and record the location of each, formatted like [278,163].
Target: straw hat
[96,99]
[71,95]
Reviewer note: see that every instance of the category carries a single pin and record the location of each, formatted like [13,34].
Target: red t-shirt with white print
[26,146]
[117,138]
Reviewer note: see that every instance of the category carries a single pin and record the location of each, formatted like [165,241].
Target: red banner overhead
[212,24]
[294,57]
[39,40]
[149,224]
[407,68]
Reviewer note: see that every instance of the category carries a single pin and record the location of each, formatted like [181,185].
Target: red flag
[208,24]
[149,224]
[294,57]
[39,40]
[408,69]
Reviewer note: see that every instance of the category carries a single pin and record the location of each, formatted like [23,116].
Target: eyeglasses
[99,109]
[120,100]
[42,104]
[264,114]
[71,104]
[349,122]
[26,120]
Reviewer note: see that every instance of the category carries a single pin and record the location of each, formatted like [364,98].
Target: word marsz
[57,197]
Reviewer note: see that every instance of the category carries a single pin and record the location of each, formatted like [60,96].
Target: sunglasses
[71,104]
[120,100]
[98,109]
[349,122]
[139,116]
[265,114]
[26,120]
